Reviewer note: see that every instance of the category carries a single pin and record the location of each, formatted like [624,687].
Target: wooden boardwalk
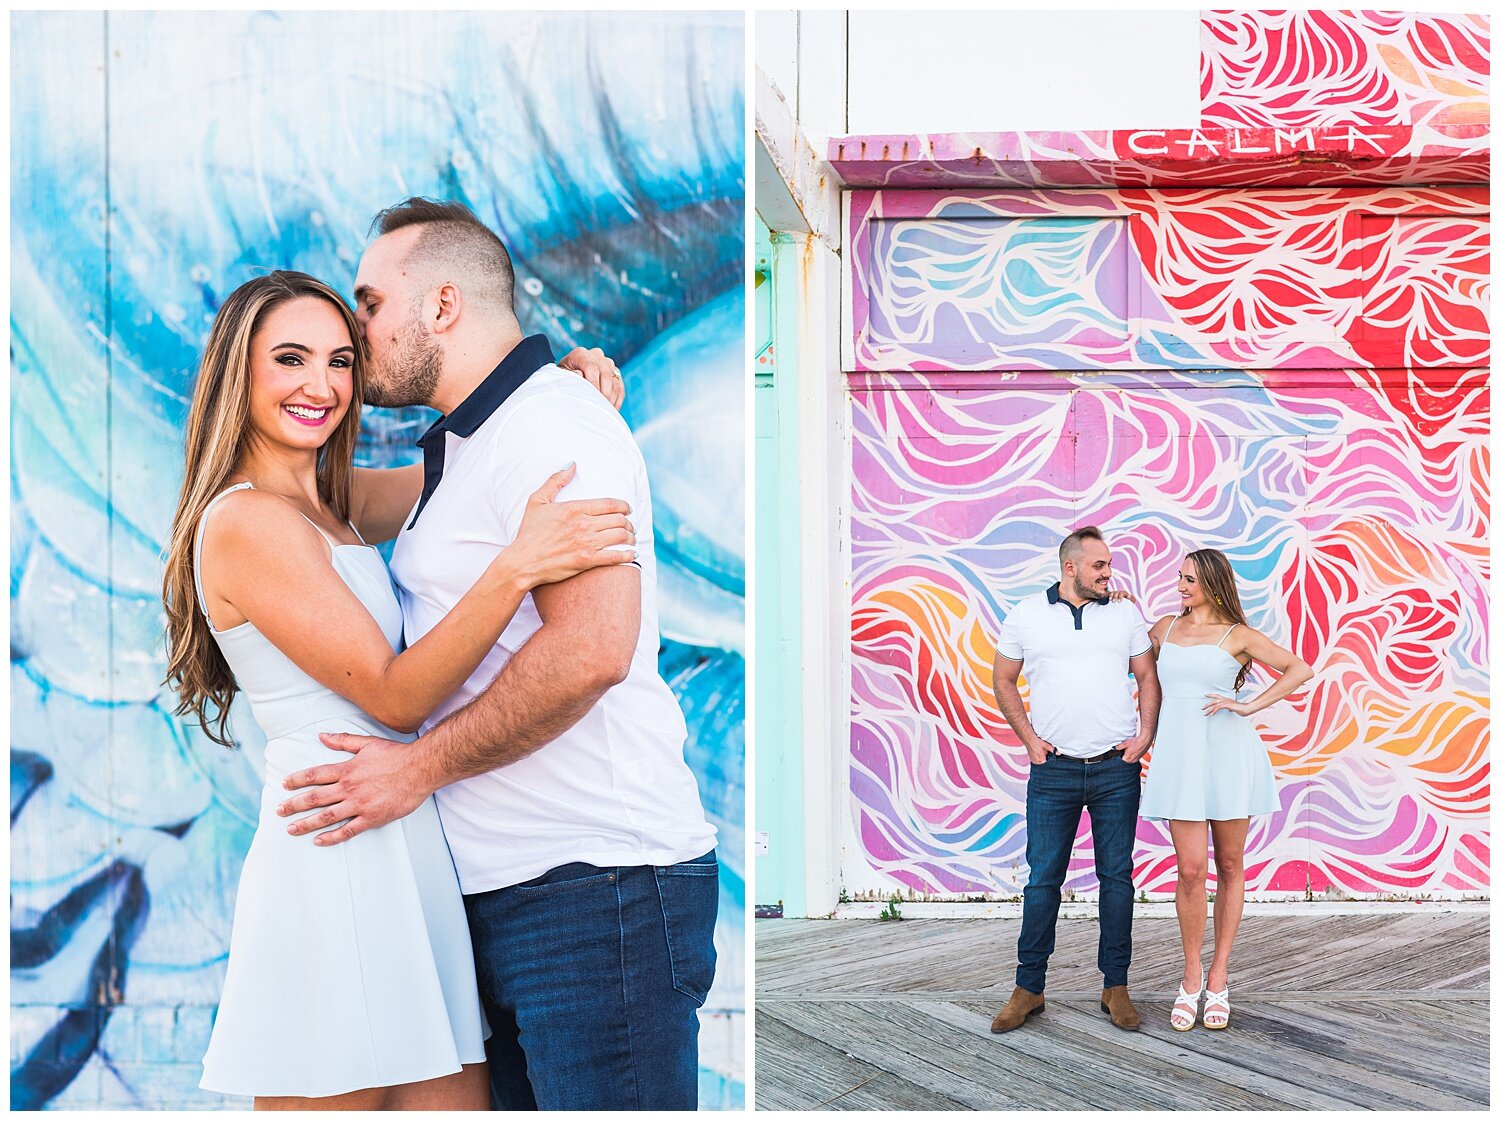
[1363,1011]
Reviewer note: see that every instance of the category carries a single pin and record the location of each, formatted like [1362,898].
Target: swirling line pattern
[1021,280]
[621,197]
[1305,277]
[1321,69]
[1355,513]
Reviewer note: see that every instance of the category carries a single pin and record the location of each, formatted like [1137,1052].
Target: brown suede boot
[1022,1003]
[1116,1001]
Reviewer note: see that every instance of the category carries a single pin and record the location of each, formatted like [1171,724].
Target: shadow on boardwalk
[1364,1011]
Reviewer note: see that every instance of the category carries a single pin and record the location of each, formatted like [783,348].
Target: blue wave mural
[160,160]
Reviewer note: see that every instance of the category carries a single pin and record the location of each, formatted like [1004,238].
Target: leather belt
[1110,754]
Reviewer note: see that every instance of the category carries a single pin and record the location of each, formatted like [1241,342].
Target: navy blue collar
[1054,595]
[526,358]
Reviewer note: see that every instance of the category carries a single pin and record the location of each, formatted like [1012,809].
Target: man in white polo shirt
[1085,744]
[581,845]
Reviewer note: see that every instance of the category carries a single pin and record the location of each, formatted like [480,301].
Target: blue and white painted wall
[158,161]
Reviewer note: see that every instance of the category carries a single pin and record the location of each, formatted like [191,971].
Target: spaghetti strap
[358,534]
[332,544]
[203,521]
[1226,634]
[1169,629]
[198,544]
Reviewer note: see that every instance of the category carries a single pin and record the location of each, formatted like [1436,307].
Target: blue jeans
[592,979]
[1057,793]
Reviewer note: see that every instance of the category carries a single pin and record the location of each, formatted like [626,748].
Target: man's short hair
[1072,544]
[454,238]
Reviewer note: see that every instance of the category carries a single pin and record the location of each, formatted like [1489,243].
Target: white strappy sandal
[1185,1010]
[1216,1010]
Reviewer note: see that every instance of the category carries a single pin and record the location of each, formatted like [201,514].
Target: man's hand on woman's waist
[380,784]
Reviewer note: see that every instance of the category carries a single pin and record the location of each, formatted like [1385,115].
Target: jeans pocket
[566,877]
[689,905]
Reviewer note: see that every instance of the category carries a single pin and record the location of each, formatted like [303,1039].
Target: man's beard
[1087,591]
[410,375]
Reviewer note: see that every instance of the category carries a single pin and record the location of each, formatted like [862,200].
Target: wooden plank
[1437,1063]
[920,1050]
[796,1070]
[888,1092]
[1144,998]
[1147,1061]
[1296,955]
[1301,1059]
[1319,1001]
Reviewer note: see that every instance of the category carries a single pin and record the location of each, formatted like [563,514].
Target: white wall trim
[795,187]
[822,453]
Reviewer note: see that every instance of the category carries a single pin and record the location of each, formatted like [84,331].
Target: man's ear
[449,304]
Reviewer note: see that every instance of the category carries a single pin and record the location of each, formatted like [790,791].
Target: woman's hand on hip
[1217,703]
[561,539]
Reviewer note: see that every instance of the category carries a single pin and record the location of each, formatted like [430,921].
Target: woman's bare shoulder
[256,522]
[1246,637]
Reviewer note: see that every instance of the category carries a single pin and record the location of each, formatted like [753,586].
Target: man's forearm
[1149,694]
[1008,697]
[538,696]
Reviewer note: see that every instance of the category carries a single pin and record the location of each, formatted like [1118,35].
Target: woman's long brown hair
[1216,578]
[218,430]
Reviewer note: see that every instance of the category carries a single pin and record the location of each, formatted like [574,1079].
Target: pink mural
[1296,376]
[1322,69]
[1355,511]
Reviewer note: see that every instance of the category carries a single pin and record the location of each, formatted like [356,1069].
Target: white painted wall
[924,72]
[798,196]
[776,51]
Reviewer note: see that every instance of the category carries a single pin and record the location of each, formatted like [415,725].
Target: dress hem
[379,1083]
[1181,817]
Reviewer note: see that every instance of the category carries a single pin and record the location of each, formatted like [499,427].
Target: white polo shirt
[613,789]
[1076,662]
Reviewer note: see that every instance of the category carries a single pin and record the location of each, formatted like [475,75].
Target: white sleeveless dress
[1204,768]
[350,965]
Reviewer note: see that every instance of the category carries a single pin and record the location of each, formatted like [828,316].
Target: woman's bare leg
[1229,894]
[377,1097]
[468,1089]
[1190,840]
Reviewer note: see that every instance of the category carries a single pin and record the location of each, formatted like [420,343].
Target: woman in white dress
[350,980]
[1209,770]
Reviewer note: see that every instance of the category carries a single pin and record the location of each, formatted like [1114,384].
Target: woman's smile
[308,415]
